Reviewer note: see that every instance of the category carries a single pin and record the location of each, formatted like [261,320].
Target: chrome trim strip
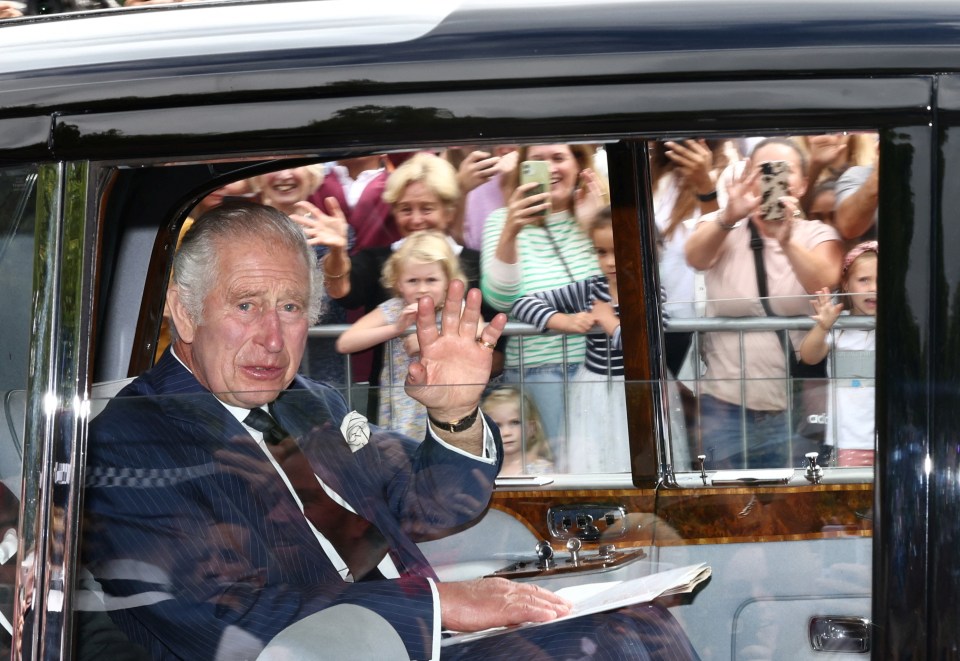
[60,346]
[36,507]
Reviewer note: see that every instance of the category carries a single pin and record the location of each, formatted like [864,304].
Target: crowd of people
[389,229]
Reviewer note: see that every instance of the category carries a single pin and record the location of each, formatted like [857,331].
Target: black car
[116,123]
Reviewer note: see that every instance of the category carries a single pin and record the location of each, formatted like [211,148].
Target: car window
[768,332]
[17,208]
[563,348]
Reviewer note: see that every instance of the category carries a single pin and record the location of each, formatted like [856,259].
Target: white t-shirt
[851,424]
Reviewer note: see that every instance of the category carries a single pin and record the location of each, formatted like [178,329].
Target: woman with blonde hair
[423,193]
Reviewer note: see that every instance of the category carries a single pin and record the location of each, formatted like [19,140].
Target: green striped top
[540,269]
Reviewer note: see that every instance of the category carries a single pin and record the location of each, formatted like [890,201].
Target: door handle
[589,522]
[840,633]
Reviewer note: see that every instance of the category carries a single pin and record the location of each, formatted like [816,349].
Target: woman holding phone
[536,243]
[798,257]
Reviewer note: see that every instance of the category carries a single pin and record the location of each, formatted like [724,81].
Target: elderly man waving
[228,498]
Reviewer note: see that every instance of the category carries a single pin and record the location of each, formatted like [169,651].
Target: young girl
[850,404]
[596,413]
[423,266]
[525,448]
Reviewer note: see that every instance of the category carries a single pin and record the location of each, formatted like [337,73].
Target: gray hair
[197,262]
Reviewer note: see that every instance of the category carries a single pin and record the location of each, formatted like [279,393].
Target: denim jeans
[767,443]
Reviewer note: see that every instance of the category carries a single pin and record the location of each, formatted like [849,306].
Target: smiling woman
[524,253]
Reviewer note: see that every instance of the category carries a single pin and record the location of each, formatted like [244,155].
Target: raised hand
[825,149]
[826,312]
[8,10]
[589,198]
[455,362]
[322,229]
[476,169]
[694,159]
[742,199]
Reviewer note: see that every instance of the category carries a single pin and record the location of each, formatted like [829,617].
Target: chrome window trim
[54,426]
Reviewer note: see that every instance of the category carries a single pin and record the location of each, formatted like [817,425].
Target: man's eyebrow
[297,295]
[244,292]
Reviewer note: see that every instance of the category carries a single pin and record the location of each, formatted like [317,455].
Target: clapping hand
[322,229]
[589,199]
[606,316]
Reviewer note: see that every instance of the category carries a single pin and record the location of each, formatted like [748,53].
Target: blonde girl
[422,266]
[525,449]
[850,404]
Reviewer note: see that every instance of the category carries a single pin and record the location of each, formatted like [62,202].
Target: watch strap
[456,426]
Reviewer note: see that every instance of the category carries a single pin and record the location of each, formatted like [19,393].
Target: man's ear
[179,315]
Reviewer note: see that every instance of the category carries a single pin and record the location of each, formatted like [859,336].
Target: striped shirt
[604,354]
[540,268]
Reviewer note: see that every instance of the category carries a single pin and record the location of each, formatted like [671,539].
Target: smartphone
[536,172]
[774,184]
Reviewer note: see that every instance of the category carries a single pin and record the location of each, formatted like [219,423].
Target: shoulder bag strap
[756,245]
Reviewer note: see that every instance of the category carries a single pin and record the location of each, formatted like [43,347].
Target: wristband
[720,218]
[456,426]
[708,197]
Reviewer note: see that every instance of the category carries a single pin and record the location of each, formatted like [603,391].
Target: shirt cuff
[489,455]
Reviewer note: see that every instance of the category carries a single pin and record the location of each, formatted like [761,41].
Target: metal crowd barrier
[696,325]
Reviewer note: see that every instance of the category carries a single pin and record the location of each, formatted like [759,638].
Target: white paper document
[598,597]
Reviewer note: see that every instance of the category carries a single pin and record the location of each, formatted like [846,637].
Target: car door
[784,548]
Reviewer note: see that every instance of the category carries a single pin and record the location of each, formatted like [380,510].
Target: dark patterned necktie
[359,542]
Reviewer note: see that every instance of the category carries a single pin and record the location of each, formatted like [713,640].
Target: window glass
[550,267]
[17,208]
[768,264]
[201,535]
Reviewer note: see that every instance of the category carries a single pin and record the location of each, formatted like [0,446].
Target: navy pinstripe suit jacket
[194,537]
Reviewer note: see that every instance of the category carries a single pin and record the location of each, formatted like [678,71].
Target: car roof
[380,42]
